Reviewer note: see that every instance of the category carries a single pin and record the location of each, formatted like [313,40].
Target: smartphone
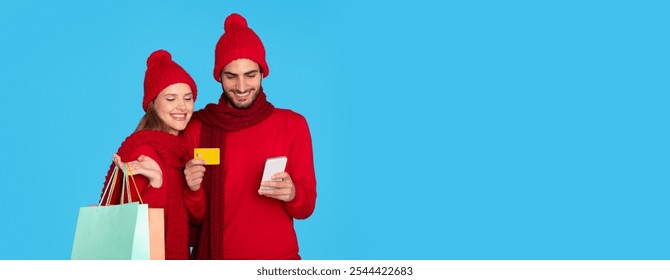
[272,166]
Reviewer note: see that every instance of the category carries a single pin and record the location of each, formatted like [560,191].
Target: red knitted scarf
[217,119]
[173,153]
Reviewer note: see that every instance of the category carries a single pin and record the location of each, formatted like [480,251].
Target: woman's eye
[170,99]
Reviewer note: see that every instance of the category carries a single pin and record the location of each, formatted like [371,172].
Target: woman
[155,153]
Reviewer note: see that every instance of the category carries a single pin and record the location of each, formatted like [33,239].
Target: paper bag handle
[132,178]
[111,184]
[109,188]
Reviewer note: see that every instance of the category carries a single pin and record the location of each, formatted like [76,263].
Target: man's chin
[245,104]
[242,105]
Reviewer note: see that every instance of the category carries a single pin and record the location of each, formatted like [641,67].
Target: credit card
[211,156]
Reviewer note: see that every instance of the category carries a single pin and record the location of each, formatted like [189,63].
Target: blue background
[461,130]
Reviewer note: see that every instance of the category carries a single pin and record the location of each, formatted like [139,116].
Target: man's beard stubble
[230,99]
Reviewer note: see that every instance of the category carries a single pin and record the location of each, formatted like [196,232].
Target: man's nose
[242,85]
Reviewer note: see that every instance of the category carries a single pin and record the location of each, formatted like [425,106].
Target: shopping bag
[111,232]
[157,233]
[115,232]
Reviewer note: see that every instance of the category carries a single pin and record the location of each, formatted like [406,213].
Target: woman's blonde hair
[151,121]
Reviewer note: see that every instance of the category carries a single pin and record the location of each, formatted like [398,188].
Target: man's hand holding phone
[276,183]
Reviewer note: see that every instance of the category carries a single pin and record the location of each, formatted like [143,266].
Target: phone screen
[272,166]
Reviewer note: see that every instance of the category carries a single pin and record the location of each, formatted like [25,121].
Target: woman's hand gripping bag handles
[128,231]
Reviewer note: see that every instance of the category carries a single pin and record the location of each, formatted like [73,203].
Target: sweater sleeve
[154,197]
[301,168]
[196,205]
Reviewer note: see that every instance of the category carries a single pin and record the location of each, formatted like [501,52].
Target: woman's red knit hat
[162,72]
[238,41]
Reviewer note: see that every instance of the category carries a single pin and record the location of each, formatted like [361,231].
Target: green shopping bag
[112,232]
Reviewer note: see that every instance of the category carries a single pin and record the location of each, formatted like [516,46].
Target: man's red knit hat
[238,41]
[161,73]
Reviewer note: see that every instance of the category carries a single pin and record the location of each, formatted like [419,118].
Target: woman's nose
[181,104]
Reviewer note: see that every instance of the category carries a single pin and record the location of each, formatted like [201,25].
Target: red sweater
[255,226]
[182,206]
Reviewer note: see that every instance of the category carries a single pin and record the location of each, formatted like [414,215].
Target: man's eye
[188,98]
[169,99]
[230,77]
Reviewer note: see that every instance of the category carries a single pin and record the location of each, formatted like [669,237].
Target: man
[244,221]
